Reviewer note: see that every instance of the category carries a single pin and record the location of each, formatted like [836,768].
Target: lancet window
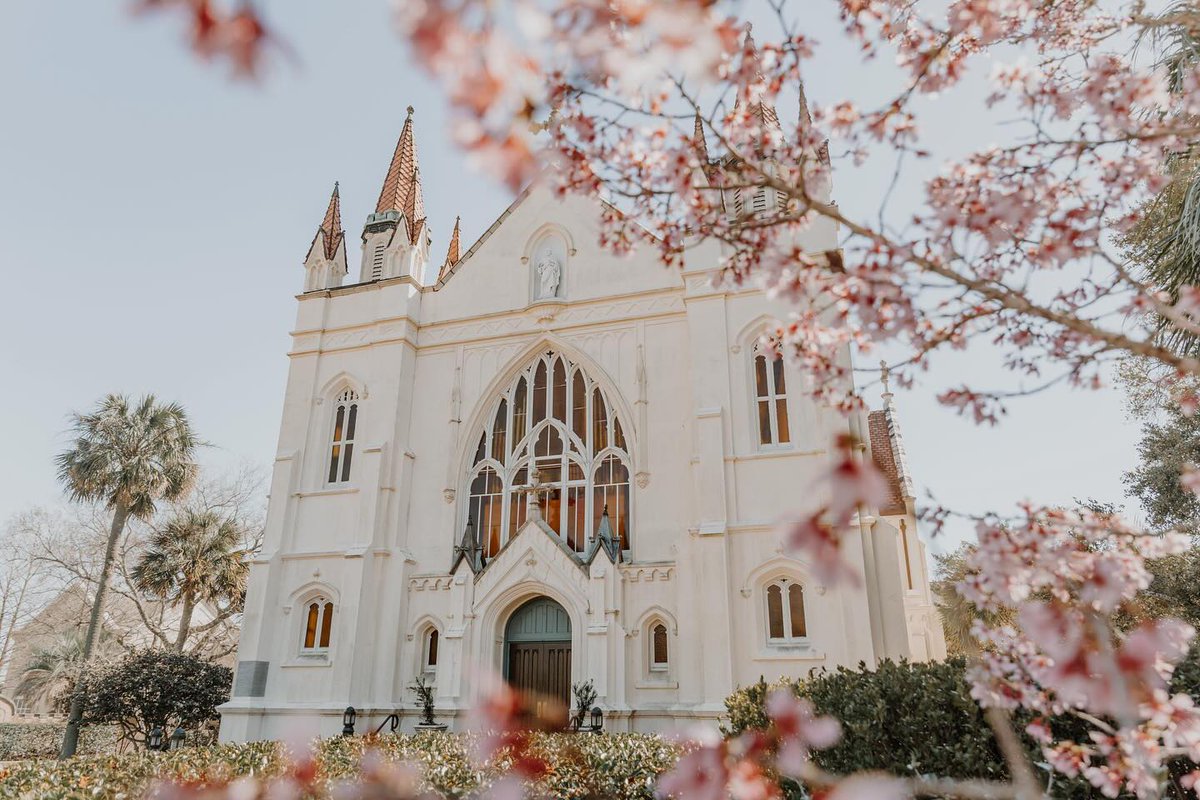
[341,449]
[552,424]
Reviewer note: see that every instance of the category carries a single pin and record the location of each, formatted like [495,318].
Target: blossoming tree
[1015,244]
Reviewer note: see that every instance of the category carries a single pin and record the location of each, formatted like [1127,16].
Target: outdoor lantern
[597,719]
[348,721]
[155,742]
[176,738]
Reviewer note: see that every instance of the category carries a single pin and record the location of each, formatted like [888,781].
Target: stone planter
[437,728]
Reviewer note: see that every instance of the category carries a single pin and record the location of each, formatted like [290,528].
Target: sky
[155,213]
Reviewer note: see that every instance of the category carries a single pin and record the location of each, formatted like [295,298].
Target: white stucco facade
[373,547]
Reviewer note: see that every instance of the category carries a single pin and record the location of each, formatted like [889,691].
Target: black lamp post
[348,721]
[597,719]
[177,738]
[155,741]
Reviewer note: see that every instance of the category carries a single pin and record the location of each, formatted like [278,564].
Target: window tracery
[552,419]
[318,626]
[785,612]
[770,399]
[341,449]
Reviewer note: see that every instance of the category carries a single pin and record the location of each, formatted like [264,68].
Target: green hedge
[918,719]
[583,765]
[21,740]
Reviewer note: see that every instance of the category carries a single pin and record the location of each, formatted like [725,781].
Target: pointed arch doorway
[537,650]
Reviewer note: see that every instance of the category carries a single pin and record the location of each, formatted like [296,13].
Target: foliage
[197,557]
[51,671]
[424,694]
[157,688]
[958,613]
[21,741]
[900,717]
[585,697]
[1168,444]
[620,765]
[129,456]
[912,719]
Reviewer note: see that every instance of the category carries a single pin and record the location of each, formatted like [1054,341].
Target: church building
[544,461]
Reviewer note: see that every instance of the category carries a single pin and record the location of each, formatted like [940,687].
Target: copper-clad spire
[402,187]
[452,254]
[805,115]
[331,226]
[765,111]
[700,143]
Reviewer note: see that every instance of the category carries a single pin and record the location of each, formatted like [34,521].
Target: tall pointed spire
[331,226]
[402,187]
[699,142]
[765,111]
[452,254]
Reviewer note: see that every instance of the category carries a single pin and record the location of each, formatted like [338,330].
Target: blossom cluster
[1067,574]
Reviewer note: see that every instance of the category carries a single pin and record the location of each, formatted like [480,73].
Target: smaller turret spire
[452,254]
[325,264]
[331,226]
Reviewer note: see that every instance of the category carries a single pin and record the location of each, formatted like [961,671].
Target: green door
[537,650]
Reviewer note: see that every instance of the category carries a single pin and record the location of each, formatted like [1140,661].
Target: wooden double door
[537,652]
[543,668]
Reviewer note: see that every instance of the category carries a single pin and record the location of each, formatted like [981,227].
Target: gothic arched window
[341,450]
[785,612]
[770,399]
[429,651]
[659,656]
[318,625]
[555,425]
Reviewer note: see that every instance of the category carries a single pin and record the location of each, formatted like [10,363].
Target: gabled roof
[445,274]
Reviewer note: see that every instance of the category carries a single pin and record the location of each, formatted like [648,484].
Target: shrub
[157,688]
[612,765]
[918,719]
[26,740]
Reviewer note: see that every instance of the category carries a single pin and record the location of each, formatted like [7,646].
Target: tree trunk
[75,716]
[185,621]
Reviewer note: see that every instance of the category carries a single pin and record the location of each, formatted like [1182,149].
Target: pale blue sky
[154,215]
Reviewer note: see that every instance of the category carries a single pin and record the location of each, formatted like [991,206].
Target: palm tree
[128,455]
[1165,243]
[50,673]
[197,557]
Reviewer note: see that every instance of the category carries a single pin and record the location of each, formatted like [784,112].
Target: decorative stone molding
[448,495]
[643,479]
[657,573]
[543,312]
[433,583]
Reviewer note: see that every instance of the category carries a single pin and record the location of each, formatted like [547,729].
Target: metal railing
[392,720]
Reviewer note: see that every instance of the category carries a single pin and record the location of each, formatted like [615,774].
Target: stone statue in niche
[549,274]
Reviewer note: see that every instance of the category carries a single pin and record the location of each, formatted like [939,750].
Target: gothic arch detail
[554,434]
